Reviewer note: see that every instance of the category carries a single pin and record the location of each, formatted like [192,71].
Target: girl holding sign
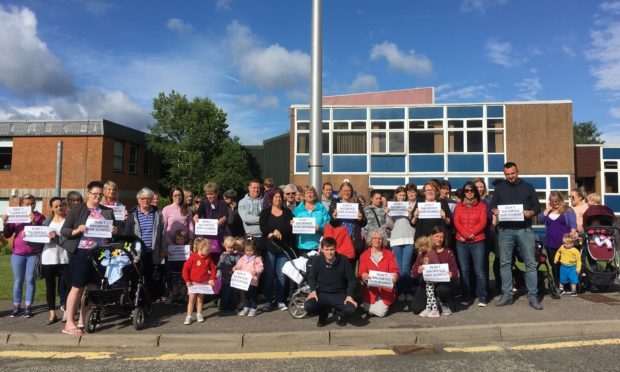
[23,256]
[250,263]
[198,269]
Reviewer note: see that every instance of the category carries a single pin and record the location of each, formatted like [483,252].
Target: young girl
[426,256]
[177,285]
[225,265]
[250,263]
[198,269]
[569,258]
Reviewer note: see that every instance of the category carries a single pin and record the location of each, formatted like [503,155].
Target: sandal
[74,331]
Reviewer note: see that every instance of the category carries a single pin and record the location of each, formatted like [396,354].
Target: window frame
[115,156]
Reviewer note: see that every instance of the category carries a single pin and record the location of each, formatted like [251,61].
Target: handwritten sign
[200,288]
[380,279]
[398,208]
[36,234]
[241,280]
[178,252]
[510,212]
[18,214]
[98,228]
[347,211]
[429,210]
[206,226]
[436,273]
[119,212]
[304,225]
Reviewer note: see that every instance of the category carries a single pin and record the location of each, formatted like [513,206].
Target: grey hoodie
[249,210]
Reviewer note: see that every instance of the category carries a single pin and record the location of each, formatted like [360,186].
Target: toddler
[250,263]
[570,264]
[177,285]
[225,266]
[198,269]
[426,256]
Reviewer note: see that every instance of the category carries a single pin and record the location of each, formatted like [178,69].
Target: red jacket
[344,245]
[445,256]
[388,265]
[198,269]
[470,220]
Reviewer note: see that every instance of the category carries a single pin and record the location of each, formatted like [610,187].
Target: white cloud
[615,112]
[409,62]
[252,100]
[223,4]
[480,5]
[477,92]
[364,83]
[568,51]
[178,25]
[27,66]
[529,88]
[610,6]
[605,55]
[501,53]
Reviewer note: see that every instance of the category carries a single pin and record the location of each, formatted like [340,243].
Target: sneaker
[465,303]
[445,310]
[482,304]
[62,308]
[534,303]
[573,293]
[16,311]
[27,312]
[341,321]
[200,318]
[282,306]
[244,312]
[252,312]
[188,320]
[433,314]
[170,300]
[562,291]
[425,312]
[504,300]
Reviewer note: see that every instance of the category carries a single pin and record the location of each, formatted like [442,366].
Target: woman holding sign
[431,213]
[213,208]
[379,272]
[309,208]
[23,256]
[352,222]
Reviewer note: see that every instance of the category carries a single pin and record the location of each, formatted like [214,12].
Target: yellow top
[568,257]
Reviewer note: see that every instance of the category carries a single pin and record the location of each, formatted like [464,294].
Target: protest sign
[119,212]
[98,228]
[380,279]
[18,214]
[36,234]
[206,226]
[436,273]
[347,211]
[510,212]
[429,210]
[304,225]
[200,288]
[178,252]
[241,280]
[398,208]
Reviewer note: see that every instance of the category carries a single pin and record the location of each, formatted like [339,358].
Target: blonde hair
[423,242]
[347,183]
[556,195]
[211,188]
[311,188]
[567,239]
[594,198]
[230,240]
[109,185]
[201,243]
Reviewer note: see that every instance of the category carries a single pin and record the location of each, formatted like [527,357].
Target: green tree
[585,133]
[190,136]
[231,168]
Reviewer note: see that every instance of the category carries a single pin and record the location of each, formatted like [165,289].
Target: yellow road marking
[547,346]
[271,355]
[54,355]
[475,349]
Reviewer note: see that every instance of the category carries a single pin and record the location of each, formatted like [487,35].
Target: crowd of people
[456,233]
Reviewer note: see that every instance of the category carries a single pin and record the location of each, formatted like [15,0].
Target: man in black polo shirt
[332,282]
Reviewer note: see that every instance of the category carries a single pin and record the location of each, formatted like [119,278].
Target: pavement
[277,330]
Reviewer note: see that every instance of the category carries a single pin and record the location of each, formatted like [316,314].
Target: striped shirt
[146,220]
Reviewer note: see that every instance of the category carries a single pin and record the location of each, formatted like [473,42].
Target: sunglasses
[290,193]
[469,190]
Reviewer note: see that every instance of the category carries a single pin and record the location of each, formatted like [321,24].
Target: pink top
[579,211]
[252,265]
[174,220]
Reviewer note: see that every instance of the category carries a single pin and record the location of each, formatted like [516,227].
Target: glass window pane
[325,125]
[611,182]
[495,141]
[303,126]
[474,141]
[358,125]
[435,124]
[349,143]
[474,123]
[495,123]
[397,125]
[133,159]
[326,146]
[455,123]
[341,125]
[378,125]
[397,142]
[377,142]
[117,163]
[303,143]
[611,165]
[416,125]
[6,156]
[455,142]
[426,142]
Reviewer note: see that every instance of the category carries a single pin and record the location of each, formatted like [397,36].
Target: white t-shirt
[54,254]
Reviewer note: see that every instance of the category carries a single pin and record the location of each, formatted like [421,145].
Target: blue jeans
[403,255]
[523,241]
[23,267]
[273,271]
[477,252]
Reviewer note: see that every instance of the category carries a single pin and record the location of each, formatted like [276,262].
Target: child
[239,242]
[198,269]
[250,263]
[426,255]
[225,265]
[268,193]
[177,285]
[570,264]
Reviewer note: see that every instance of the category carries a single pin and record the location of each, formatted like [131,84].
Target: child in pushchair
[297,269]
[599,254]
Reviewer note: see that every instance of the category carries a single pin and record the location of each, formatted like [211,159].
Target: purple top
[20,247]
[558,227]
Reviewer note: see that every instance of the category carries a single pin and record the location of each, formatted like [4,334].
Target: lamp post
[315,164]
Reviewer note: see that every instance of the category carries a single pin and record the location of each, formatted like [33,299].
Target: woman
[189,198]
[54,259]
[490,239]
[353,226]
[177,216]
[309,208]
[23,257]
[376,213]
[213,208]
[156,198]
[470,221]
[196,203]
[443,290]
[578,202]
[234,222]
[401,239]
[110,195]
[377,300]
[424,226]
[275,223]
[559,219]
[78,246]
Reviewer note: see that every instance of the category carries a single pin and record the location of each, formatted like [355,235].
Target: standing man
[516,233]
[249,210]
[290,191]
[326,197]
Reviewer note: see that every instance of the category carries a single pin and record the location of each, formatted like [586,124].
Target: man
[326,197]
[290,191]
[249,209]
[332,283]
[516,234]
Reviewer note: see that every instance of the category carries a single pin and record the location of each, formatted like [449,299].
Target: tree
[586,132]
[231,168]
[189,136]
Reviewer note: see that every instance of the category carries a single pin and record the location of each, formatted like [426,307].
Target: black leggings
[51,273]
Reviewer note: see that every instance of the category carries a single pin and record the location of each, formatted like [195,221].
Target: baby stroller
[121,286]
[546,281]
[599,255]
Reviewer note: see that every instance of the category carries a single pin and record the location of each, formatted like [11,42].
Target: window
[303,143]
[6,153]
[387,137]
[349,137]
[426,137]
[611,182]
[465,136]
[147,164]
[117,164]
[303,137]
[133,159]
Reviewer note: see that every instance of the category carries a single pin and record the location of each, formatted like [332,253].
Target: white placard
[398,208]
[18,214]
[380,279]
[241,280]
[119,212]
[291,269]
[98,228]
[347,211]
[206,226]
[510,212]
[36,234]
[429,210]
[304,225]
[436,273]
[178,252]
[200,288]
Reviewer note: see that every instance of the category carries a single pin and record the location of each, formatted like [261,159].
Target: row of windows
[119,151]
[435,112]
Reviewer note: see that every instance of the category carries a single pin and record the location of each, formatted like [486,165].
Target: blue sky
[68,59]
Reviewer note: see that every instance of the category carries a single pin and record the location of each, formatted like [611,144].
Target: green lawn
[6,282]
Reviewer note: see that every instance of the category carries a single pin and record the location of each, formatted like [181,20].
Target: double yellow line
[533,347]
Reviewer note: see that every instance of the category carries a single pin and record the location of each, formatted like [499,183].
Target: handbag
[38,268]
